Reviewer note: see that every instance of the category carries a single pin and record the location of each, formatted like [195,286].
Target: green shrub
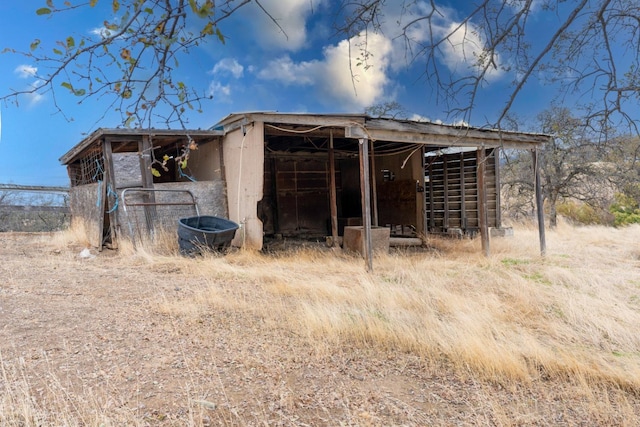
[625,210]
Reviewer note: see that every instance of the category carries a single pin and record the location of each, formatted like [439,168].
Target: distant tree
[569,165]
[625,175]
[590,48]
[388,109]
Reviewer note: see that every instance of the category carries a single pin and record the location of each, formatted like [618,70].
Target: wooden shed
[304,175]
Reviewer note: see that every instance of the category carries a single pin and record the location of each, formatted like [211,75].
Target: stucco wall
[243,154]
[126,170]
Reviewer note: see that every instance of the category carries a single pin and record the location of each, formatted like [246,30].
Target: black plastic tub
[205,232]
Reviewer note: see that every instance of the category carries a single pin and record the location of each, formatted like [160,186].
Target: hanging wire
[114,194]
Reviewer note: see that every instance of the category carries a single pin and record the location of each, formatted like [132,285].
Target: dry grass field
[305,337]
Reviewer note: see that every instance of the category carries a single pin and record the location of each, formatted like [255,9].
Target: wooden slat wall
[452,192]
[296,196]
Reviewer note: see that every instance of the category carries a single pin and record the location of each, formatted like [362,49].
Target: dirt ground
[91,331]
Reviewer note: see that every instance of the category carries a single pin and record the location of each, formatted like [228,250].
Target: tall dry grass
[515,316]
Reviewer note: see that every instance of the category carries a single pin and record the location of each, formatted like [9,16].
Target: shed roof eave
[438,135]
[236,120]
[402,131]
[97,135]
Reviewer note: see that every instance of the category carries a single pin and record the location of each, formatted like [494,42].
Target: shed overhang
[160,136]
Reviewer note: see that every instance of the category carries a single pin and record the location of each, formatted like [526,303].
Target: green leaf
[92,3]
[34,44]
[79,92]
[43,11]
[208,29]
[126,94]
[129,121]
[70,42]
[57,51]
[50,4]
[220,35]
[67,85]
[155,172]
[183,164]
[116,6]
[204,10]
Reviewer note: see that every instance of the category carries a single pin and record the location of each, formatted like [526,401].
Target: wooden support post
[539,202]
[463,199]
[365,191]
[333,196]
[482,201]
[496,161]
[145,151]
[110,184]
[445,180]
[425,227]
[374,188]
[432,209]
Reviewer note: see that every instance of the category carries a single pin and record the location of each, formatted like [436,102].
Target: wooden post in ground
[539,202]
[482,202]
[365,190]
[374,188]
[333,193]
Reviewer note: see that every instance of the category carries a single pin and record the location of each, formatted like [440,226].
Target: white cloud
[101,32]
[365,82]
[35,97]
[419,118]
[464,50]
[228,65]
[461,53]
[348,86]
[25,71]
[218,90]
[287,72]
[291,16]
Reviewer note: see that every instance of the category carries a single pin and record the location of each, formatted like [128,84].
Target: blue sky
[257,69]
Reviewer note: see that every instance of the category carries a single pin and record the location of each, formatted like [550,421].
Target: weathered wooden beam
[463,199]
[333,196]
[374,187]
[482,201]
[448,136]
[145,151]
[110,180]
[496,161]
[365,192]
[539,202]
[445,180]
